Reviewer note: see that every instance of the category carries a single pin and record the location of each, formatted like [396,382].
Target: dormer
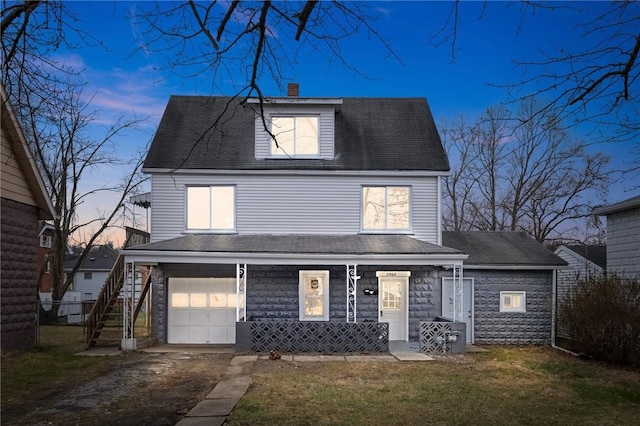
[298,128]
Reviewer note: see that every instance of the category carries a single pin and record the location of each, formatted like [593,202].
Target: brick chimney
[293,89]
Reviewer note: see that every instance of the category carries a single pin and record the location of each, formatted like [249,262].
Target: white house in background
[623,236]
[583,260]
[93,272]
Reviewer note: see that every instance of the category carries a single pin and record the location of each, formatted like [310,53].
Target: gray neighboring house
[509,282]
[623,236]
[330,233]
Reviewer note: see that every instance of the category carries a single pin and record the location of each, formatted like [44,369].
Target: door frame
[471,282]
[404,277]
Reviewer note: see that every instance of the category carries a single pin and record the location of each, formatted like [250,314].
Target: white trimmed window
[385,208]
[45,241]
[296,136]
[314,295]
[211,208]
[513,301]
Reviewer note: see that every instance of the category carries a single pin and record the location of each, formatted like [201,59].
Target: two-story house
[310,222]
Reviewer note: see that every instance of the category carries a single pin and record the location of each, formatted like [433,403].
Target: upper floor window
[88,275]
[295,136]
[211,208]
[45,241]
[385,208]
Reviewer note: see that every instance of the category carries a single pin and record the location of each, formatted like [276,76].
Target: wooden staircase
[104,323]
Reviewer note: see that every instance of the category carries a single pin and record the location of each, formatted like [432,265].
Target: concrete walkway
[220,402]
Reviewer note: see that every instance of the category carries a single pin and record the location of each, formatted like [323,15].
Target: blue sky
[490,37]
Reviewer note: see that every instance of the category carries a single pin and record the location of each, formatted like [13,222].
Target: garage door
[202,310]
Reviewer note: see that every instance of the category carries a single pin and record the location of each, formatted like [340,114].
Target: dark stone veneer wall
[272,292]
[18,275]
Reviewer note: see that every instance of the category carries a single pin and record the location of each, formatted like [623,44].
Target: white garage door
[202,310]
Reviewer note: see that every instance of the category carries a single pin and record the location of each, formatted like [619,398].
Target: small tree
[602,316]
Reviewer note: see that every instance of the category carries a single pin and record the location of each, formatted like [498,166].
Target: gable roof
[370,134]
[25,159]
[628,204]
[501,248]
[593,253]
[100,258]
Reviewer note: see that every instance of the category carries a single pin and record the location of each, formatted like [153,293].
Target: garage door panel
[202,310]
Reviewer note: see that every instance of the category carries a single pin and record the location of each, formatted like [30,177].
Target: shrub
[602,315]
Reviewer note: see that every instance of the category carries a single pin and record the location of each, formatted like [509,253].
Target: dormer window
[295,136]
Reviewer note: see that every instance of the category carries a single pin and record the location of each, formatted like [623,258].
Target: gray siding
[494,327]
[623,242]
[326,123]
[301,204]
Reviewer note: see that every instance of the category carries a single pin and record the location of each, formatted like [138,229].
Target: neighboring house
[93,271]
[508,284]
[325,236]
[24,202]
[43,260]
[583,261]
[623,236]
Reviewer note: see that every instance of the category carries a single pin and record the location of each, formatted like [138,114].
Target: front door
[467,302]
[392,301]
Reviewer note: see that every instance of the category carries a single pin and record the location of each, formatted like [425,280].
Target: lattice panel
[429,333]
[323,337]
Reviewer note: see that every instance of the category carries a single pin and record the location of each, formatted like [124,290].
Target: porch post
[352,285]
[128,302]
[458,314]
[241,283]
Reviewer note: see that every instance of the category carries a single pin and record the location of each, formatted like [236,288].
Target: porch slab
[318,358]
[202,421]
[412,356]
[371,358]
[213,408]
[230,388]
[191,349]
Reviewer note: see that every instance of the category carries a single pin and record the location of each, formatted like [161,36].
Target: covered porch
[295,293]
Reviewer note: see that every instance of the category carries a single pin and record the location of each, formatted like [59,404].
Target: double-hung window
[211,208]
[385,208]
[314,295]
[295,136]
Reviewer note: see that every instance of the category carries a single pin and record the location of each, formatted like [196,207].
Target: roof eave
[262,258]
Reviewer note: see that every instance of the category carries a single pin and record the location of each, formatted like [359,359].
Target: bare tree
[57,118]
[522,174]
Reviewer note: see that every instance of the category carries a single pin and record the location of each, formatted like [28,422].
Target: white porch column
[352,286]
[241,285]
[129,342]
[458,314]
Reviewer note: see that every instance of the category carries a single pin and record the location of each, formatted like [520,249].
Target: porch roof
[295,249]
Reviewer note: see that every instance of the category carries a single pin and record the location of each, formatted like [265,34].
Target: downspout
[554,308]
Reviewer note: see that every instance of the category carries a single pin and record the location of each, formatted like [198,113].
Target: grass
[506,386]
[50,364]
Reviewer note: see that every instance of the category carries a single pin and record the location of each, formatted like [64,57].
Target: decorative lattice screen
[323,337]
[429,334]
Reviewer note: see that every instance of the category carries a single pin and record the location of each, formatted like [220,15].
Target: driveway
[143,388]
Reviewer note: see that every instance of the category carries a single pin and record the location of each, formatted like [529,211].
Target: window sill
[209,231]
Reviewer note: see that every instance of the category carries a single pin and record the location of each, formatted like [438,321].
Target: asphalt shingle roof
[628,204]
[370,134]
[100,258]
[298,244]
[501,248]
[594,253]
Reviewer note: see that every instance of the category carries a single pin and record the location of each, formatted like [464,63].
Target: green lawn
[503,387]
